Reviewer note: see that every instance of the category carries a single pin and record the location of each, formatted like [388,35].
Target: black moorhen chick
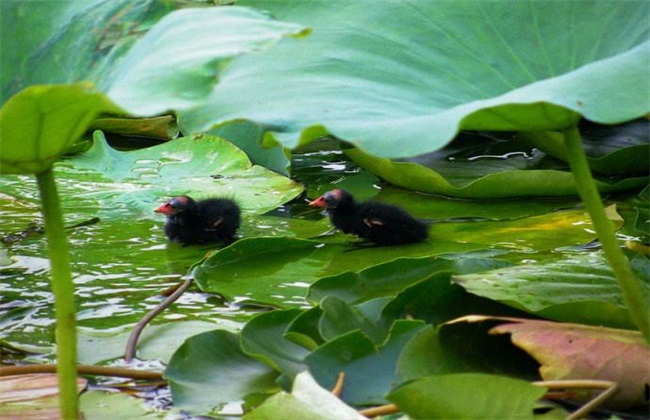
[383,224]
[200,222]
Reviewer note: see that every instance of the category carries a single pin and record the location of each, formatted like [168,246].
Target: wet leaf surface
[278,270]
[578,287]
[514,174]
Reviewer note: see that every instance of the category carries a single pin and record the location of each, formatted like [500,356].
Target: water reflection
[119,266]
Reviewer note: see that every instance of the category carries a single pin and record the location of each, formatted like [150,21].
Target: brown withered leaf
[32,396]
[568,351]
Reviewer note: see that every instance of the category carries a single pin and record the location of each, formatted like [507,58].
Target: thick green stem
[631,288]
[66,339]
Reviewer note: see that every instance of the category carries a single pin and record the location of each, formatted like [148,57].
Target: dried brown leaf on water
[582,352]
[31,396]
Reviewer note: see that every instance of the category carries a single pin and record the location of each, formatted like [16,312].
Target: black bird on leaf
[383,224]
[201,222]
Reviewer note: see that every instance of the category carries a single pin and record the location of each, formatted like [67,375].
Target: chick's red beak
[165,209]
[319,202]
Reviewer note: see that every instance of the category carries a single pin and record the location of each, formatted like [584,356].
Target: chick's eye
[173,204]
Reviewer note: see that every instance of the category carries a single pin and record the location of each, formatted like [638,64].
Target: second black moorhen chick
[383,224]
[200,222]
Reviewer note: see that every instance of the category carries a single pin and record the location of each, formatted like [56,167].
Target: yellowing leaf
[574,351]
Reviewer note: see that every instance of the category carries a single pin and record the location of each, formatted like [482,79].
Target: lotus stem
[631,288]
[132,343]
[63,289]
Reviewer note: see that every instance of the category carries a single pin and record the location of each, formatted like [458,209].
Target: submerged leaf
[97,404]
[32,395]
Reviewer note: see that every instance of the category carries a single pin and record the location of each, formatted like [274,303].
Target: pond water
[120,264]
[118,268]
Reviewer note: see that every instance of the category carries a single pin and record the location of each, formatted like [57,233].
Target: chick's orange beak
[319,202]
[164,209]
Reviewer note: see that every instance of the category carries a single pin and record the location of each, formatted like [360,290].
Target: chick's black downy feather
[201,222]
[383,224]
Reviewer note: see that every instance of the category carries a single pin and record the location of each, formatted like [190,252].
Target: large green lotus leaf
[70,41]
[279,269]
[39,124]
[199,166]
[369,368]
[491,177]
[443,67]
[467,396]
[203,370]
[576,288]
[307,400]
[175,65]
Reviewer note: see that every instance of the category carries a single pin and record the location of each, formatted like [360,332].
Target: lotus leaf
[118,183]
[443,67]
[467,396]
[578,288]
[40,123]
[278,270]
[307,400]
[369,368]
[201,372]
